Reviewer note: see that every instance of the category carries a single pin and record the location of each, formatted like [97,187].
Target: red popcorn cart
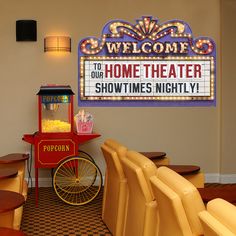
[77,179]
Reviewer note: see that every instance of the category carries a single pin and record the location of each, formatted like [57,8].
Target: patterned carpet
[53,217]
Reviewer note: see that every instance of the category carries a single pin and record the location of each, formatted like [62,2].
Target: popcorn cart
[77,179]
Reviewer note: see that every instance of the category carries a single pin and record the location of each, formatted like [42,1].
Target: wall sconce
[57,44]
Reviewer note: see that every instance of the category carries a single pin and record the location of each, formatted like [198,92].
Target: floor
[53,217]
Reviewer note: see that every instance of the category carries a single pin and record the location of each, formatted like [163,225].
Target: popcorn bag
[84,122]
[85,127]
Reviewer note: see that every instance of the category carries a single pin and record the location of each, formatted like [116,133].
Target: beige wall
[188,135]
[228,161]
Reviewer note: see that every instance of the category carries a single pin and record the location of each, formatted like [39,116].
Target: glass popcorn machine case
[77,179]
[55,109]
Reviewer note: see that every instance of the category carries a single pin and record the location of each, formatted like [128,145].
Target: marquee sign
[147,64]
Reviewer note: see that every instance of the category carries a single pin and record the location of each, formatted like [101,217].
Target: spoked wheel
[77,180]
[85,155]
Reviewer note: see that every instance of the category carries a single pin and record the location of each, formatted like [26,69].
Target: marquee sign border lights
[147,40]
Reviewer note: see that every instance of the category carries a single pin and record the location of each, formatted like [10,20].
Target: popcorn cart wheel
[85,155]
[77,180]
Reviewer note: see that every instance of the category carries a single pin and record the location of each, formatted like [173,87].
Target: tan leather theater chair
[189,195]
[115,189]
[141,217]
[172,217]
[219,219]
[117,147]
[12,184]
[148,167]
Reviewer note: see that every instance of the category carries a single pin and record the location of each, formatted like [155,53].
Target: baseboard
[45,182]
[212,178]
[220,178]
[224,179]
[209,178]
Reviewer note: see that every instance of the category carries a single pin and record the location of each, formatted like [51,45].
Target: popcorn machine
[51,118]
[77,179]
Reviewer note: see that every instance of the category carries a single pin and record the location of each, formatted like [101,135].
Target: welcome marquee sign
[147,64]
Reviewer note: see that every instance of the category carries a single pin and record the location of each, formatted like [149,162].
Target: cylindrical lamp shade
[57,44]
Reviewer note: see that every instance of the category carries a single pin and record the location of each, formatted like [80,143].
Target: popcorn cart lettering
[55,99]
[53,151]
[56,148]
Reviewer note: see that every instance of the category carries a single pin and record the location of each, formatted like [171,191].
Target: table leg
[36,186]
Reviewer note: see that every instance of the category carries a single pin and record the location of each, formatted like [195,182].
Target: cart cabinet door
[51,152]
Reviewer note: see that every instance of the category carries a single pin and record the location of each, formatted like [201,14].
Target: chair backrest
[220,217]
[213,227]
[115,192]
[172,217]
[148,167]
[189,195]
[141,218]
[117,147]
[113,162]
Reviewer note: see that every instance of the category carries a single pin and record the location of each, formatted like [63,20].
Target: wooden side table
[14,160]
[17,161]
[158,158]
[154,155]
[8,173]
[10,232]
[9,201]
[227,193]
[183,169]
[13,157]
